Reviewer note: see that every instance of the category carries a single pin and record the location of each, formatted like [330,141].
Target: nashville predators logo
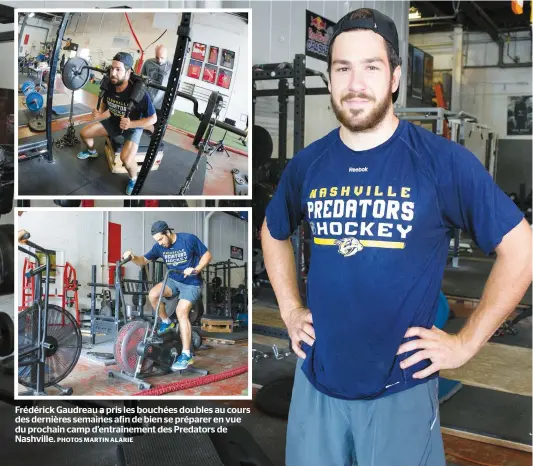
[349,246]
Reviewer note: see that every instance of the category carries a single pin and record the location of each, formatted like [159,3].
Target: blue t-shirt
[117,104]
[186,252]
[381,222]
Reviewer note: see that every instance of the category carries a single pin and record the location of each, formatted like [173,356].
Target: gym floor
[218,177]
[218,354]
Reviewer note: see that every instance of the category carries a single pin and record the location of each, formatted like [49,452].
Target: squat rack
[44,148]
[298,72]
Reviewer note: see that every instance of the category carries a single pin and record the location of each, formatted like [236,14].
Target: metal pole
[168,101]
[457,71]
[93,304]
[283,86]
[51,82]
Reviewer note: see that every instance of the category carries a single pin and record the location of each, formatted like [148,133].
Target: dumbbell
[34,100]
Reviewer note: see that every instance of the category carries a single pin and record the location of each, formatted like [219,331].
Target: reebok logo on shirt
[358,169]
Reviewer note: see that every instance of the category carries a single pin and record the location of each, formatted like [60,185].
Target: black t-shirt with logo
[117,104]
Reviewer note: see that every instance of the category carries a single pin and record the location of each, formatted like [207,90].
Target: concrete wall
[82,237]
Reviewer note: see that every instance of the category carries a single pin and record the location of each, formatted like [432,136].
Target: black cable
[155,41]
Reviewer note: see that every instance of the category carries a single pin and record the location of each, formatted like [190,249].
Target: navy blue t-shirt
[381,222]
[186,252]
[117,104]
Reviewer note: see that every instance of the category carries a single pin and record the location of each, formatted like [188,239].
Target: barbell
[34,100]
[75,75]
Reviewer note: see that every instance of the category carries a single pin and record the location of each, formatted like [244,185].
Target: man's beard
[119,82]
[351,118]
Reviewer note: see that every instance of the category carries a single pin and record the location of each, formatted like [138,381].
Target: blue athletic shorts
[401,429]
[191,293]
[132,134]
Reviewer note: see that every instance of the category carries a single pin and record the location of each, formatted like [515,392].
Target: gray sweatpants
[401,429]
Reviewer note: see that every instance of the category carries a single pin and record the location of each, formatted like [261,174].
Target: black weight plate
[204,122]
[7,335]
[67,202]
[196,340]
[216,282]
[274,398]
[197,312]
[262,146]
[139,302]
[261,195]
[74,74]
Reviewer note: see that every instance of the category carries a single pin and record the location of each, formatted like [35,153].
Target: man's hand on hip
[299,324]
[444,350]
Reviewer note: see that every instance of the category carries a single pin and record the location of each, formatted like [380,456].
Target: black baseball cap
[367,18]
[125,58]
[159,227]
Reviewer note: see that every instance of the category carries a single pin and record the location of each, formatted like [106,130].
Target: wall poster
[519,115]
[210,74]
[195,67]
[213,55]
[198,51]
[224,78]
[227,59]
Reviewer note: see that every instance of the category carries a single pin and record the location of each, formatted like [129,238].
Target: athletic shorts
[191,293]
[401,429]
[132,134]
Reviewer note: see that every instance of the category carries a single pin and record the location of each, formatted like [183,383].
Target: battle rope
[191,383]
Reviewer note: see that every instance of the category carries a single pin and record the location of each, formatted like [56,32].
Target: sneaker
[165,328]
[129,188]
[182,362]
[86,154]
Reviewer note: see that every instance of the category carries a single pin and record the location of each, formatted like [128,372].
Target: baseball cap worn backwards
[367,18]
[159,227]
[125,58]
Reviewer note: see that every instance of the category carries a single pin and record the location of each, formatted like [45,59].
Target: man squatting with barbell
[183,252]
[382,197]
[113,110]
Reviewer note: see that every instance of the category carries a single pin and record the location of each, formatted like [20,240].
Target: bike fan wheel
[128,339]
[63,334]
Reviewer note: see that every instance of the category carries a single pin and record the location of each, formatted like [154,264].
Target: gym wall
[105,34]
[82,236]
[278,34]
[78,234]
[226,32]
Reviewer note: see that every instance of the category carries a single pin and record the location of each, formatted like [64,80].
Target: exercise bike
[49,338]
[139,351]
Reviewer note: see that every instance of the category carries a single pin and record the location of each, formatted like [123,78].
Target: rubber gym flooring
[92,177]
[217,354]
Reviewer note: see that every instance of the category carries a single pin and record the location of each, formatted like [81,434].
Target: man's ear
[396,78]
